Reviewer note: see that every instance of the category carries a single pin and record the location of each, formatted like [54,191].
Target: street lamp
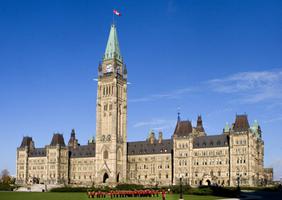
[238,181]
[181,191]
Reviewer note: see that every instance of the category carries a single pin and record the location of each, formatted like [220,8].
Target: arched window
[106,154]
[119,155]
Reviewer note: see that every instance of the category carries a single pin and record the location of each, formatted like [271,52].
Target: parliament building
[235,155]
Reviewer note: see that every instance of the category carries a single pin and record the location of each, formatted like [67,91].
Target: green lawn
[82,196]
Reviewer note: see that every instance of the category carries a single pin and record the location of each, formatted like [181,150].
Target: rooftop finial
[178,114]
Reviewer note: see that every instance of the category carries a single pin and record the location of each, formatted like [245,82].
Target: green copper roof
[112,49]
[255,129]
[256,124]
[91,140]
[226,128]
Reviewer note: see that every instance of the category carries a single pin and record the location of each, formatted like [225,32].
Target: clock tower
[111,114]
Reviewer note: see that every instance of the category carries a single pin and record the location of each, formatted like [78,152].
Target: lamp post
[181,191]
[238,181]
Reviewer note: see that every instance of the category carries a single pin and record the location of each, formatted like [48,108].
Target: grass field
[82,196]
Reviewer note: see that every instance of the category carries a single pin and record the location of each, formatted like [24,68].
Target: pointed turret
[226,128]
[256,129]
[200,127]
[73,142]
[112,49]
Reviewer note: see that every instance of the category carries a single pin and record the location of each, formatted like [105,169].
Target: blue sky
[214,58]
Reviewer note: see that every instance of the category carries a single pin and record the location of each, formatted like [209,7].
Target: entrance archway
[118,178]
[208,182]
[106,176]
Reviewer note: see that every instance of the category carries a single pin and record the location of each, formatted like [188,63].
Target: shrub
[205,190]
[6,187]
[225,191]
[129,187]
[70,189]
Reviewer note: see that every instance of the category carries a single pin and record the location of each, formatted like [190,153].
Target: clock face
[109,68]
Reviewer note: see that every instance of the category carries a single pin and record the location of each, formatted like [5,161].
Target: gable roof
[145,147]
[210,141]
[241,123]
[58,139]
[37,152]
[183,128]
[83,151]
[26,141]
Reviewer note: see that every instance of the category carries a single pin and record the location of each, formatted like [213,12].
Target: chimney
[152,137]
[160,137]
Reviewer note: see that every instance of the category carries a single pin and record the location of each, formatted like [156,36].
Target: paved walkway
[36,188]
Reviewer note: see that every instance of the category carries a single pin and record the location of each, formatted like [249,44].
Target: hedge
[6,187]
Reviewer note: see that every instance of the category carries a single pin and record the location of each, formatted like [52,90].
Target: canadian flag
[117,13]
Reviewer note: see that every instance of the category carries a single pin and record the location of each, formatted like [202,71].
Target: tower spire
[112,49]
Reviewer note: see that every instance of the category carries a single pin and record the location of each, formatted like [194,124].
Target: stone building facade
[234,155]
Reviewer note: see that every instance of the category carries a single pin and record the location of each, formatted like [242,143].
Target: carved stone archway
[207,180]
[118,177]
[105,177]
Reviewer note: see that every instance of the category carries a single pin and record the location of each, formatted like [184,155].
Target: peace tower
[111,114]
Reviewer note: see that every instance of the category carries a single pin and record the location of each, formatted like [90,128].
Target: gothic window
[106,154]
[105,107]
[211,173]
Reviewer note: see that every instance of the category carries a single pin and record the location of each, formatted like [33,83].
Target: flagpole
[113,17]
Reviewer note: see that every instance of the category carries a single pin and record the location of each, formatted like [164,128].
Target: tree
[5,176]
